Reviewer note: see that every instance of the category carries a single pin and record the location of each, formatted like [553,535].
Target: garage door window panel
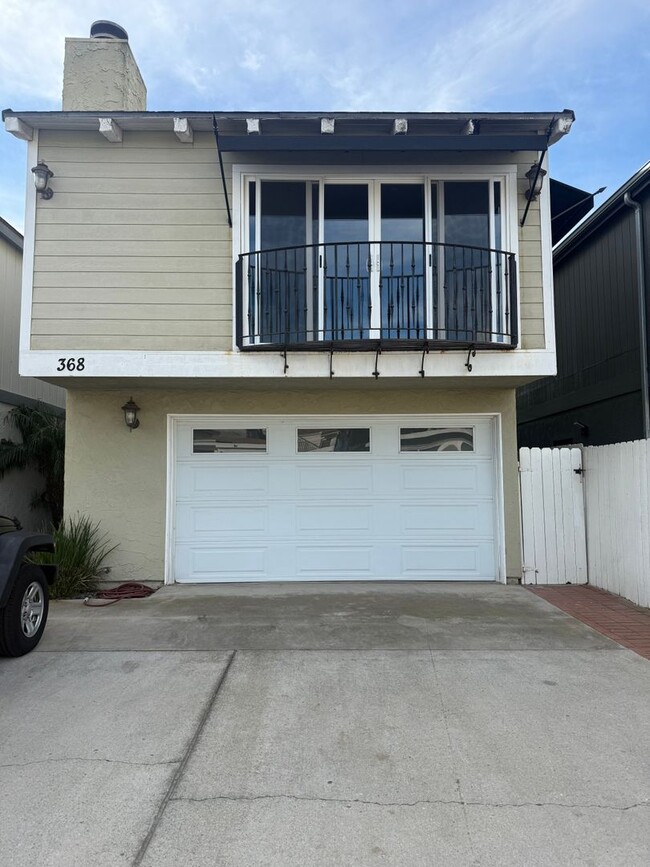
[230,441]
[333,440]
[436,439]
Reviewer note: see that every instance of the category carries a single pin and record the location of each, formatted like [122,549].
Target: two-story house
[321,317]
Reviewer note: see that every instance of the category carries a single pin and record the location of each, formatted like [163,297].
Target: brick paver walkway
[610,615]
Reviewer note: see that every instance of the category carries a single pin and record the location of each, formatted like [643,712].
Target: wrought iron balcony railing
[361,295]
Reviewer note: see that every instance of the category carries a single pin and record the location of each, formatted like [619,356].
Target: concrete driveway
[329,725]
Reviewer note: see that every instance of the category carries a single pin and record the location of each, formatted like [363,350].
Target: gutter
[643,324]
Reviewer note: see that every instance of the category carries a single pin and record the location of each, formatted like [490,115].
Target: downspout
[643,325]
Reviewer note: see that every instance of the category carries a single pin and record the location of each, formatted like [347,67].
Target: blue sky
[506,55]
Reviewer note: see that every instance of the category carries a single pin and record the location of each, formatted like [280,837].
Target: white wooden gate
[617,491]
[553,516]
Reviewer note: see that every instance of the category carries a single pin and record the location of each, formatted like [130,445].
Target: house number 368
[72,364]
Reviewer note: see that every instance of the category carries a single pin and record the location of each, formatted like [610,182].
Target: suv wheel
[23,618]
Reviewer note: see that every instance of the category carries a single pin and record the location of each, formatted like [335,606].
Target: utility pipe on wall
[643,326]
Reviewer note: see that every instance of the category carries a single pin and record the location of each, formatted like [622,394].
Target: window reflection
[211,441]
[334,439]
[436,439]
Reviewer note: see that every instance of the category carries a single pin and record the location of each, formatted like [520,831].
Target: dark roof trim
[342,130]
[13,399]
[540,117]
[382,143]
[11,235]
[615,202]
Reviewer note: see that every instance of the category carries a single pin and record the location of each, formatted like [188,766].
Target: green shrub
[80,551]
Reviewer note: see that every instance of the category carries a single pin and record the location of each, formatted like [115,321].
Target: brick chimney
[100,73]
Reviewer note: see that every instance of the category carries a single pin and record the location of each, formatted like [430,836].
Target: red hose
[129,590]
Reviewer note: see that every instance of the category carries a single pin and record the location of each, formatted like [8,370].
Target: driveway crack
[178,773]
[65,759]
[461,799]
[416,803]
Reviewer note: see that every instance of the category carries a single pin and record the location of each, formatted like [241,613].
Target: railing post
[514,311]
[239,301]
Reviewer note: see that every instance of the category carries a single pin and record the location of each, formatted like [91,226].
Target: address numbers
[72,364]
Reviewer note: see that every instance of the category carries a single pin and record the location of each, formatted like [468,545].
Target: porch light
[42,175]
[535,175]
[131,410]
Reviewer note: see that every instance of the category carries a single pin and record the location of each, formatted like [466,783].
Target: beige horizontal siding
[109,279]
[534,341]
[532,311]
[531,295]
[128,310]
[132,232]
[134,264]
[111,342]
[103,249]
[138,200]
[155,296]
[530,262]
[134,327]
[134,250]
[134,247]
[97,216]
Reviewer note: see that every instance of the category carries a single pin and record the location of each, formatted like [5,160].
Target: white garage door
[334,498]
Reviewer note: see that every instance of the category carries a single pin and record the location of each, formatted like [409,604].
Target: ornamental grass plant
[81,549]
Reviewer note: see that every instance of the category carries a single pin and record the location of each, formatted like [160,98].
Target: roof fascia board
[383,143]
[11,235]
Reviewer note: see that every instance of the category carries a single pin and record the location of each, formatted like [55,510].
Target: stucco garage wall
[119,477]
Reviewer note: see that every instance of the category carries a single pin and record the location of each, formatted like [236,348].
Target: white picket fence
[617,497]
[592,525]
[552,516]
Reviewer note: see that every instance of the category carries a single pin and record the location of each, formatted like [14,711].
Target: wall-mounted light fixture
[535,175]
[131,410]
[582,429]
[42,175]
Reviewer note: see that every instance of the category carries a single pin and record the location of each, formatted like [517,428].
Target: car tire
[23,618]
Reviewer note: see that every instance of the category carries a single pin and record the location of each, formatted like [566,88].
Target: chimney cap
[107,30]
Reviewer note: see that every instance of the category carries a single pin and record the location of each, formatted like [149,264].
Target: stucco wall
[101,75]
[119,477]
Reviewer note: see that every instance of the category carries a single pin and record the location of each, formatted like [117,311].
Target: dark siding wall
[598,381]
[617,419]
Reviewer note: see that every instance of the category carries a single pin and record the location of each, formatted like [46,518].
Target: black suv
[24,594]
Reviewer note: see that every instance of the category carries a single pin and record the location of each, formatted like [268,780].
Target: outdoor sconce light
[42,175]
[582,429]
[535,175]
[131,410]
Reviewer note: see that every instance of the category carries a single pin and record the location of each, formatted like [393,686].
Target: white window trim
[242,174]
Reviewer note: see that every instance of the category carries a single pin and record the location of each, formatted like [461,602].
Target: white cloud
[252,60]
[403,55]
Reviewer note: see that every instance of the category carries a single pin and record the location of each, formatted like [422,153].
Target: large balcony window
[354,263]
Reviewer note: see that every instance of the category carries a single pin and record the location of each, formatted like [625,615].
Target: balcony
[370,295]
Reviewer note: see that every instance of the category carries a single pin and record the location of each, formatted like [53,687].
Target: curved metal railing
[358,295]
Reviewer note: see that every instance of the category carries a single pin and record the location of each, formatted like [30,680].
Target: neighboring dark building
[602,295]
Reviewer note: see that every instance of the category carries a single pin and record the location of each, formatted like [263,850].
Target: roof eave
[343,130]
[635,184]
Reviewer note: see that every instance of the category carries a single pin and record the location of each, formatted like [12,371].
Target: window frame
[506,174]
